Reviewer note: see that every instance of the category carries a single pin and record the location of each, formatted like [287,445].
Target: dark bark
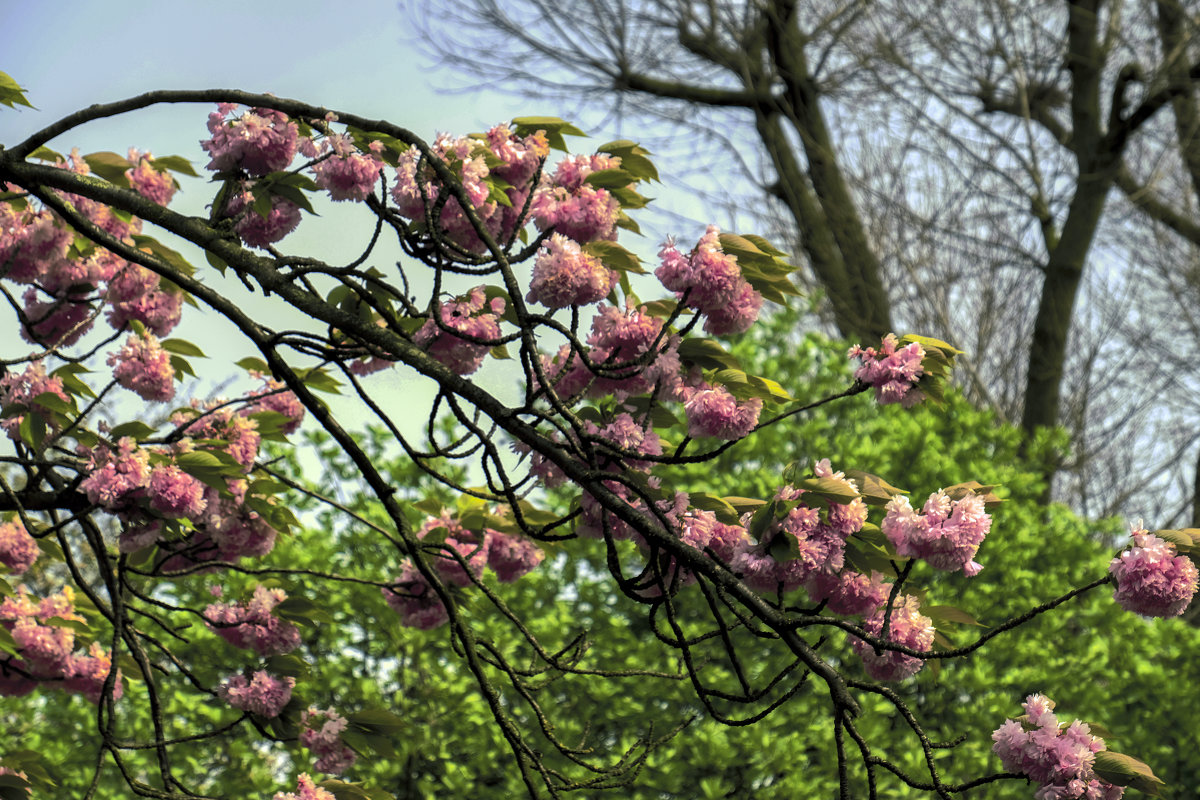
[1064,268]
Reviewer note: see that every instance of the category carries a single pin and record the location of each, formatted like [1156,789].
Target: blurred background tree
[1018,178]
[447,748]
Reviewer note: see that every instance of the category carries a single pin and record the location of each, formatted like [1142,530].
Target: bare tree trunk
[1068,255]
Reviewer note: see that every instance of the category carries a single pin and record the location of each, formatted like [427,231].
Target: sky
[363,60]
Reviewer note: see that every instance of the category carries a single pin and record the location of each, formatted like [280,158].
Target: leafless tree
[1020,178]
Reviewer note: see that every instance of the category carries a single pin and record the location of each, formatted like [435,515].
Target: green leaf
[524,126]
[353,791]
[44,153]
[874,489]
[33,429]
[718,505]
[288,665]
[11,93]
[109,166]
[302,610]
[1185,541]
[73,624]
[950,614]
[633,158]
[136,430]
[763,519]
[320,380]
[769,389]
[836,490]
[1122,770]
[609,178]
[628,197]
[183,347]
[376,720]
[215,261]
[706,354]
[615,257]
[198,459]
[172,257]
[52,402]
[174,164]
[182,367]
[660,308]
[7,643]
[626,223]
[960,490]
[252,364]
[929,343]
[744,504]
[763,245]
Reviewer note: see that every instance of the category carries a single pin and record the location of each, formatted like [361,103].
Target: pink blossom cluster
[29,240]
[143,487]
[564,275]
[217,420]
[1151,579]
[893,372]
[252,625]
[346,172]
[120,226]
[631,357]
[459,319]
[229,528]
[255,229]
[321,732]
[137,294]
[520,157]
[412,597]
[305,790]
[578,210]
[22,388]
[815,543]
[907,627]
[64,285]
[1059,758]
[946,533]
[714,411]
[116,477]
[45,649]
[152,184]
[702,531]
[595,521]
[509,556]
[618,444]
[849,593]
[463,554]
[710,281]
[175,494]
[264,694]
[87,674]
[143,367]
[469,158]
[120,480]
[512,557]
[274,396]
[18,550]
[258,142]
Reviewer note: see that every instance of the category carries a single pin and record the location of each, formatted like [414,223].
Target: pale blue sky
[68,55]
[362,59]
